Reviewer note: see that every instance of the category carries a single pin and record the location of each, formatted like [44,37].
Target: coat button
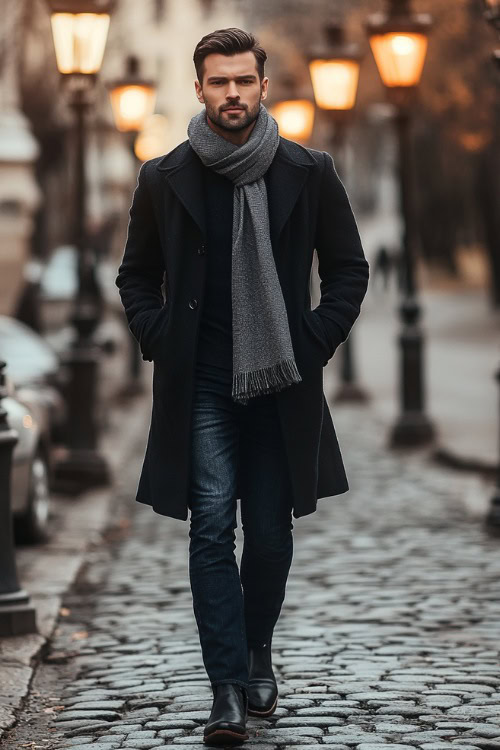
[193,303]
[201,250]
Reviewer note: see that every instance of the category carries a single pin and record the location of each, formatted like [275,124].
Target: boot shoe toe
[225,733]
[226,724]
[262,697]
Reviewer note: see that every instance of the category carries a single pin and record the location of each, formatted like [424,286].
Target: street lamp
[132,98]
[398,40]
[294,115]
[295,118]
[334,70]
[79,29]
[132,102]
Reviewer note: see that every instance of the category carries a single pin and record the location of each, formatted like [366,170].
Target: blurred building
[20,194]
[36,125]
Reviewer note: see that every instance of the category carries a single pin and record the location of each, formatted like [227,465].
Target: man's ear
[198,92]
[264,87]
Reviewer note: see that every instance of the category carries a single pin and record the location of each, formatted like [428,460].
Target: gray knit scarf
[263,357]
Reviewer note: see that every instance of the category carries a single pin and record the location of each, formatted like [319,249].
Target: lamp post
[79,29]
[398,39]
[492,15]
[132,102]
[493,516]
[334,71]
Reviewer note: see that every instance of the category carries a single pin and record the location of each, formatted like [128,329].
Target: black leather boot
[262,687]
[227,721]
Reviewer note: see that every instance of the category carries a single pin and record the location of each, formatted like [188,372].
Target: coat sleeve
[342,266]
[141,272]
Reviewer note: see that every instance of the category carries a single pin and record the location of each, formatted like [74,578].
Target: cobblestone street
[389,634]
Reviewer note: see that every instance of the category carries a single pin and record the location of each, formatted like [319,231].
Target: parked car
[31,469]
[34,368]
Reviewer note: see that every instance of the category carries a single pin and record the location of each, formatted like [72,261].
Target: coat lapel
[183,172]
[288,172]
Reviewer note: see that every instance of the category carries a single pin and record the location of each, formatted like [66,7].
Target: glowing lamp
[79,31]
[335,83]
[400,57]
[398,40]
[132,98]
[334,71]
[295,118]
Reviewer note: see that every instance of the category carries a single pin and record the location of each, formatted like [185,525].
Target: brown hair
[228,42]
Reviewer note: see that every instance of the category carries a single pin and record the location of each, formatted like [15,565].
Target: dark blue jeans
[234,607]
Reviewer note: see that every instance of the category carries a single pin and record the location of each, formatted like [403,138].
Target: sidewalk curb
[438,452]
[452,460]
[82,523]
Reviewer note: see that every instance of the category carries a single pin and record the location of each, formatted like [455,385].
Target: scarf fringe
[265,380]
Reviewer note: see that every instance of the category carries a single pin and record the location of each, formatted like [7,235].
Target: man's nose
[232,91]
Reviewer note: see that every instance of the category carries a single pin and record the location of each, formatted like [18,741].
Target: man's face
[231,81]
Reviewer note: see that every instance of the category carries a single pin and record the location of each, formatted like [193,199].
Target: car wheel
[32,526]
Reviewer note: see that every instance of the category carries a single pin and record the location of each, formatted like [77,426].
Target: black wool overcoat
[161,282]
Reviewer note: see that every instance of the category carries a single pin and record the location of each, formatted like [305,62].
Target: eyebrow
[224,78]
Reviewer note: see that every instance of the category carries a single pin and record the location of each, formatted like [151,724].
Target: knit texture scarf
[263,357]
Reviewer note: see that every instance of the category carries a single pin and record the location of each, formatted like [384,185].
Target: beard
[233,122]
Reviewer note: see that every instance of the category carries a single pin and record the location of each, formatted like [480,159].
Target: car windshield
[27,355]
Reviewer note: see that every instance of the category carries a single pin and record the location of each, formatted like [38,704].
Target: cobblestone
[388,637]
[94,714]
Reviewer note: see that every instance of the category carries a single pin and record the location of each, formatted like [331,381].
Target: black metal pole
[16,613]
[412,427]
[493,516]
[349,389]
[83,466]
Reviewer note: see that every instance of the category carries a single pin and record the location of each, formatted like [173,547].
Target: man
[226,224]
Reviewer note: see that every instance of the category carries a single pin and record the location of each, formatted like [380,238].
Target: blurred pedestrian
[382,266]
[230,219]
[399,265]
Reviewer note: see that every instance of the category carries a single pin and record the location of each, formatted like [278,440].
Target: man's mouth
[233,109]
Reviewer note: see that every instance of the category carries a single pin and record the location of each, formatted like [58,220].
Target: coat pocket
[148,332]
[316,336]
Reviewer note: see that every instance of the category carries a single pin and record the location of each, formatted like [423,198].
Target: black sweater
[215,340]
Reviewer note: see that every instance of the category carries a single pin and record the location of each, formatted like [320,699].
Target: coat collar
[182,168]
